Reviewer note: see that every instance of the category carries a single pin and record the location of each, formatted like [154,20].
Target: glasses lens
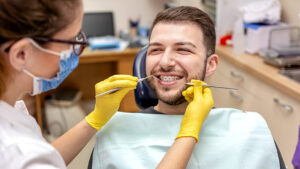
[78,48]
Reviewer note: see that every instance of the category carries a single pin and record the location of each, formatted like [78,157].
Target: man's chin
[168,95]
[171,99]
[177,101]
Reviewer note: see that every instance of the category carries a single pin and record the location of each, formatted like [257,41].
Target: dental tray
[284,52]
[282,61]
[287,50]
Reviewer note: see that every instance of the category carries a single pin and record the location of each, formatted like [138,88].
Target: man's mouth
[168,78]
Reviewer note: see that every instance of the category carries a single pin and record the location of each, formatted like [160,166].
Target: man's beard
[175,100]
[178,98]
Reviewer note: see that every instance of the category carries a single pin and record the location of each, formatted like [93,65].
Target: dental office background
[145,11]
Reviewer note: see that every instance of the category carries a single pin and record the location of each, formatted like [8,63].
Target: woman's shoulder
[22,143]
[29,152]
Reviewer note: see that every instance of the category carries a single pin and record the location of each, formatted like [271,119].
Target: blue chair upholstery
[144,95]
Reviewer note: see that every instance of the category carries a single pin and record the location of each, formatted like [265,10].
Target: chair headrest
[144,95]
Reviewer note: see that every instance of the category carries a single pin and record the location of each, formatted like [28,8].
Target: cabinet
[280,111]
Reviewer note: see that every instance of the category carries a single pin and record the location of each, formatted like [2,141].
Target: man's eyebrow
[186,43]
[155,44]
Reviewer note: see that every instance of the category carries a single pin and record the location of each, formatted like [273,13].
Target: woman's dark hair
[19,18]
[33,18]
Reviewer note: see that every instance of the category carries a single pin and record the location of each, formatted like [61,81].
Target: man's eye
[184,50]
[153,51]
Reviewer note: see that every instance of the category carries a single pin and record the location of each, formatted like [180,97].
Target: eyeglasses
[78,45]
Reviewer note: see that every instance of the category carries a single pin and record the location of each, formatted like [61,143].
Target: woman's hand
[200,103]
[107,105]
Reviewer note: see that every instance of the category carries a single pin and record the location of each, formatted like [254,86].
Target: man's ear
[211,65]
[19,53]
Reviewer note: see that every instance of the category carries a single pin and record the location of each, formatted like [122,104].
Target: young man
[182,49]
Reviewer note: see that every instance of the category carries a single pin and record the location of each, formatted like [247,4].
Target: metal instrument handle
[236,96]
[286,107]
[237,76]
[119,88]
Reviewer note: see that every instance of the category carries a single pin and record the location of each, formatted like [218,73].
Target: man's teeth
[169,78]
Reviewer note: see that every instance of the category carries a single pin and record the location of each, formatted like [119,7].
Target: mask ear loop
[26,72]
[35,91]
[42,49]
[62,56]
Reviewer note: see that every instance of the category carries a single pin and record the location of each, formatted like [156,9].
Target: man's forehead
[179,43]
[177,26]
[182,33]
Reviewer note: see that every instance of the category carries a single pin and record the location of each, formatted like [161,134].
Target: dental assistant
[40,44]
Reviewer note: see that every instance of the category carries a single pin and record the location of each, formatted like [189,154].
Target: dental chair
[145,96]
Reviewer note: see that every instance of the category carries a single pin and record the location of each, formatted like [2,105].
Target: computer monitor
[98,24]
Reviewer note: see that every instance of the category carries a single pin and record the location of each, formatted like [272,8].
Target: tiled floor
[81,161]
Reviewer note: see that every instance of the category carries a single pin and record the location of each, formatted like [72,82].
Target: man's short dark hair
[190,15]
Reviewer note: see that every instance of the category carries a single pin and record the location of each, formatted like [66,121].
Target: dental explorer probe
[119,88]
[189,83]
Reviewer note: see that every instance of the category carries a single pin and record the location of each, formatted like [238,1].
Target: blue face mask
[68,62]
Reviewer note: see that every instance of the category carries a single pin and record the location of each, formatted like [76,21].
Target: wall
[125,9]
[290,11]
[195,3]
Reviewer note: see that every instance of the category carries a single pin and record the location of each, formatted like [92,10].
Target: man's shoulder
[236,121]
[235,113]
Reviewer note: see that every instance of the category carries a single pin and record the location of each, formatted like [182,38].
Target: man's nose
[167,60]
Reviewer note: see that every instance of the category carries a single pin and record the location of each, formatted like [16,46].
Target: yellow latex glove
[107,105]
[200,103]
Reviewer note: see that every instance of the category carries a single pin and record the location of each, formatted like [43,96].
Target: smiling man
[182,48]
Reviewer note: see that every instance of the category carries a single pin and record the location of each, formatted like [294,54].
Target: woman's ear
[19,53]
[211,65]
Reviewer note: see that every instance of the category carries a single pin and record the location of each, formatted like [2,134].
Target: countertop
[89,56]
[254,65]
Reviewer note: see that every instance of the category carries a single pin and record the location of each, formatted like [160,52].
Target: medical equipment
[220,87]
[116,89]
[284,52]
[267,11]
[293,74]
[226,15]
[258,36]
[140,80]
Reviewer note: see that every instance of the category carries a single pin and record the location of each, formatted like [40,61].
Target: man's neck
[171,109]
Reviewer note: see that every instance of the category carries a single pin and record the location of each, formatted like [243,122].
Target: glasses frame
[82,44]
